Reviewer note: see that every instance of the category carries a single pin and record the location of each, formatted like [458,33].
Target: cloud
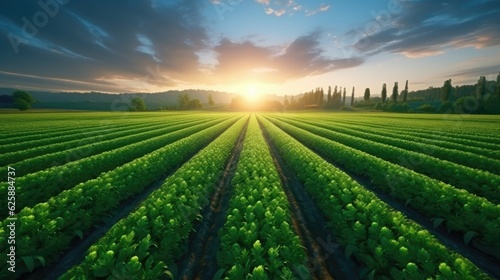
[84,46]
[265,2]
[277,13]
[290,7]
[472,74]
[301,58]
[148,45]
[322,8]
[427,28]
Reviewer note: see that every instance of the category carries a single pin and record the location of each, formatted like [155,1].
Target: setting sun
[252,94]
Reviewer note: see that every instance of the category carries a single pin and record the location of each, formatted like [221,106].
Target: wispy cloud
[290,7]
[427,28]
[471,75]
[265,2]
[322,8]
[278,13]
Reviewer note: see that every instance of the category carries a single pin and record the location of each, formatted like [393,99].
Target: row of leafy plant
[472,131]
[469,159]
[22,128]
[476,181]
[387,243]
[69,137]
[257,240]
[47,228]
[485,155]
[457,209]
[32,132]
[59,178]
[431,136]
[141,245]
[38,158]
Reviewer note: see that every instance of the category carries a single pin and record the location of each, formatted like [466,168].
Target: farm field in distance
[220,195]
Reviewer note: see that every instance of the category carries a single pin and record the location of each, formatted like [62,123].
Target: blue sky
[246,46]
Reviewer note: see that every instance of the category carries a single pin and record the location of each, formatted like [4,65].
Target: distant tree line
[481,98]
[19,99]
[184,102]
[316,99]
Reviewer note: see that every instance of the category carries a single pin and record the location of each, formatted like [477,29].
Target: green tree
[137,104]
[21,104]
[22,100]
[481,88]
[194,104]
[394,95]
[352,96]
[20,94]
[343,99]
[384,93]
[329,96]
[446,91]
[210,100]
[321,98]
[405,92]
[184,101]
[366,97]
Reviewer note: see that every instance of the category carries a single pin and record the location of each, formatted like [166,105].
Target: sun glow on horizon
[252,93]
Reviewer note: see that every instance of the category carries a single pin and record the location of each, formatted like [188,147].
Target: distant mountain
[117,102]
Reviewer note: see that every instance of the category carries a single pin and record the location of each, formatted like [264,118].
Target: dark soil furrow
[201,260]
[326,258]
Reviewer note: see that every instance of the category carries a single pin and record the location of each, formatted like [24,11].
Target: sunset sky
[246,46]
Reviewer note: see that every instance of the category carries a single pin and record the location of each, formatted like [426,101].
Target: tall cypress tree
[384,93]
[446,91]
[329,97]
[366,97]
[352,96]
[395,93]
[405,93]
[481,88]
[343,99]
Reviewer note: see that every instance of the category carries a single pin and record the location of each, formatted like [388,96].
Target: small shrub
[426,108]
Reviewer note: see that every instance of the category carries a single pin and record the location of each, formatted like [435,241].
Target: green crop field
[218,195]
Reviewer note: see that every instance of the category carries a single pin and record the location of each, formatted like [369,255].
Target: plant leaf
[29,262]
[41,259]
[468,236]
[219,273]
[364,272]
[78,233]
[436,222]
[348,251]
[171,271]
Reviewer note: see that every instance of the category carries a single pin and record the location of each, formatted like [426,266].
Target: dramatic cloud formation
[301,58]
[425,28]
[156,45]
[91,47]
